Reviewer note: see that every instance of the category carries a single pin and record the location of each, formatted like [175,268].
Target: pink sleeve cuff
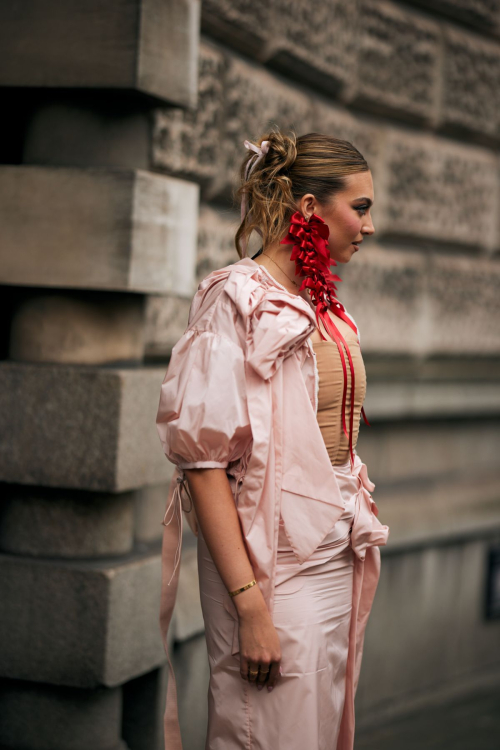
[204,465]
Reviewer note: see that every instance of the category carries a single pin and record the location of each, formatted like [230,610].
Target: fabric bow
[261,151]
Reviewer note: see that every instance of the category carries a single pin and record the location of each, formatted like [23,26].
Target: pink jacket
[241,386]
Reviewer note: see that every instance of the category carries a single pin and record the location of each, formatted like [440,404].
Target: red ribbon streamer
[312,262]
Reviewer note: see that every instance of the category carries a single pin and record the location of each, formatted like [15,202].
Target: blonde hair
[293,166]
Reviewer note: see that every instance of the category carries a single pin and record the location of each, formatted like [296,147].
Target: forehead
[359,185]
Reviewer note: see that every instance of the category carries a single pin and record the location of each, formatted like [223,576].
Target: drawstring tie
[174,508]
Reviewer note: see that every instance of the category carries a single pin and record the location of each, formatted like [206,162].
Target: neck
[276,258]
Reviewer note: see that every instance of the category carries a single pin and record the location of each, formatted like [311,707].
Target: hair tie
[260,151]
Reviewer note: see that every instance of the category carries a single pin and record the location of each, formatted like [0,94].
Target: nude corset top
[331,380]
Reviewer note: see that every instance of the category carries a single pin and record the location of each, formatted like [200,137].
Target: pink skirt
[312,613]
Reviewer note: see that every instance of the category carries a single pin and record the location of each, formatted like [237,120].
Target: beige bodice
[331,380]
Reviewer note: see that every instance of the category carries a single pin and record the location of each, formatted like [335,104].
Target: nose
[368,228]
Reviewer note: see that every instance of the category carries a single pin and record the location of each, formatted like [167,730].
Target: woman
[259,411]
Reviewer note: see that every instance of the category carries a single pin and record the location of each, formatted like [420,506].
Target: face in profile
[348,215]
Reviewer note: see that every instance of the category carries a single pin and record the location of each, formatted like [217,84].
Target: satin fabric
[241,385]
[312,611]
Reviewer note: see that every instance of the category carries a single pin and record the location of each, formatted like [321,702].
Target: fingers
[253,671]
[244,668]
[274,674]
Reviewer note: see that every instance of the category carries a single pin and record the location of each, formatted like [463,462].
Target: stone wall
[122,143]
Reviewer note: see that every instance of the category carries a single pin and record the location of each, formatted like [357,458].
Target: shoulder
[241,302]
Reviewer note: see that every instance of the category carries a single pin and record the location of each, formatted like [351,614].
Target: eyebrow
[368,200]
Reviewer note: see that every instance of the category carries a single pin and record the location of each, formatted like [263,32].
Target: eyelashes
[361,209]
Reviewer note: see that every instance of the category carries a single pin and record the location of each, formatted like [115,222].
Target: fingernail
[259,687]
[270,687]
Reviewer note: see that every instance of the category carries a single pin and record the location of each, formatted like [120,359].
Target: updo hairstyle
[293,166]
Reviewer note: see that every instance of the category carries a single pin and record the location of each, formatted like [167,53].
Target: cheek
[352,223]
[346,224]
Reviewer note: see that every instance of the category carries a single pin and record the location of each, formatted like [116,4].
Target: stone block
[483,14]
[245,26]
[86,129]
[150,506]
[366,135]
[189,143]
[255,100]
[62,523]
[427,629]
[149,46]
[216,231]
[167,316]
[143,708]
[166,321]
[434,189]
[419,400]
[433,509]
[316,46]
[398,55]
[422,304]
[81,428]
[61,718]
[88,623]
[89,328]
[471,71]
[188,618]
[416,452]
[97,229]
[191,665]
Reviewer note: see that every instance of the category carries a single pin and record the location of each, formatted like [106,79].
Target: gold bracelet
[238,591]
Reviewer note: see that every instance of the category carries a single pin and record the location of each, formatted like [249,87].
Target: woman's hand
[260,647]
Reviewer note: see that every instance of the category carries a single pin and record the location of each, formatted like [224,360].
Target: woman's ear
[307,205]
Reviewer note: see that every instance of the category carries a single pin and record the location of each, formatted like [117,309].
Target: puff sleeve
[202,418]
[277,322]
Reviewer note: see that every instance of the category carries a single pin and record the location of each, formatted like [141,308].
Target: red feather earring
[312,262]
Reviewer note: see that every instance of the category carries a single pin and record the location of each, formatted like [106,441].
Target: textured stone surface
[484,14]
[88,623]
[64,523]
[397,60]
[471,71]
[192,674]
[405,400]
[86,328]
[166,321]
[83,129]
[143,708]
[239,101]
[432,510]
[315,45]
[188,143]
[363,132]
[244,24]
[429,449]
[427,629]
[81,428]
[144,45]
[254,101]
[46,716]
[435,189]
[98,229]
[422,303]
[188,619]
[150,508]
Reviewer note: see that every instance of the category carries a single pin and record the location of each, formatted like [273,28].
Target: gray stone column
[90,230]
